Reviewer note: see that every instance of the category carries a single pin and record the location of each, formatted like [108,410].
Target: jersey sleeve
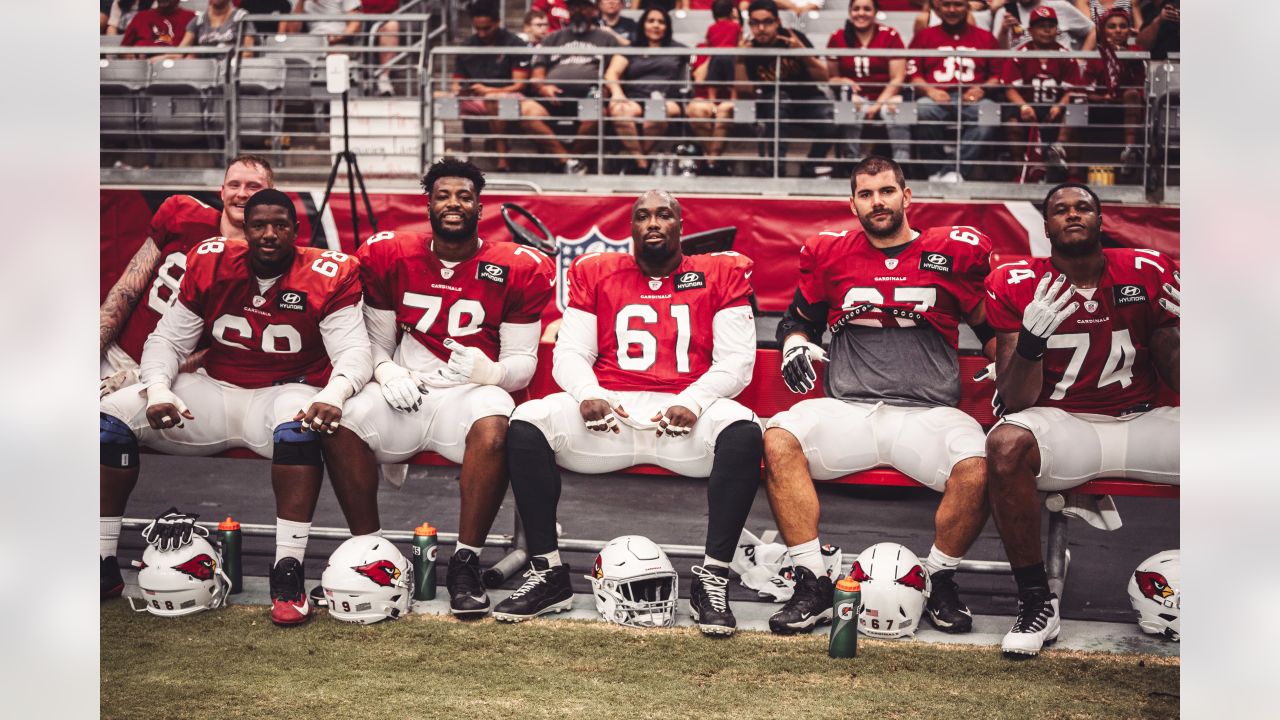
[196,281]
[810,271]
[166,222]
[372,257]
[582,286]
[1012,74]
[737,281]
[1001,313]
[347,290]
[977,268]
[537,281]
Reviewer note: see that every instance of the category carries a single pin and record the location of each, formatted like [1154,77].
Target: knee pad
[117,444]
[292,444]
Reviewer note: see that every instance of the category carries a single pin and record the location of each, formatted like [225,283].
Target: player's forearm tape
[984,331]
[336,392]
[1030,345]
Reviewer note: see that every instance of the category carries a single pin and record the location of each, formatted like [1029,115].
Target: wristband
[1030,345]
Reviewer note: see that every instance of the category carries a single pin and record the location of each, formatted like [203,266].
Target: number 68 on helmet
[182,581]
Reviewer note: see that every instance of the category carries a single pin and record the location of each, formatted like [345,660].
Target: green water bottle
[424,562]
[844,626]
[229,546]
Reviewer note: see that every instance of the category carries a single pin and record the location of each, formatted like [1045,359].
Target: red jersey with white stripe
[655,334]
[936,280]
[502,283]
[954,70]
[872,73]
[257,339]
[181,223]
[1098,359]
[1045,78]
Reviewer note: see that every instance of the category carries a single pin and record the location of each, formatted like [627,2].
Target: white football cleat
[1037,625]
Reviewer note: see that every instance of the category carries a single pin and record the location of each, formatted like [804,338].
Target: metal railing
[768,132]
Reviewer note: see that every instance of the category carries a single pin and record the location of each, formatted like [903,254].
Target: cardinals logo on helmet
[858,573]
[913,579]
[382,572]
[1152,585]
[199,567]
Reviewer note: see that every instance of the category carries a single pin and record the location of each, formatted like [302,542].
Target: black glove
[797,367]
[172,530]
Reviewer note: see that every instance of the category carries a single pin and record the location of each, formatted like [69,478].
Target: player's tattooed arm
[1018,380]
[1166,343]
[124,295]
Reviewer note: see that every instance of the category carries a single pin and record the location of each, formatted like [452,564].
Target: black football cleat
[467,596]
[109,579]
[545,589]
[945,610]
[709,602]
[809,606]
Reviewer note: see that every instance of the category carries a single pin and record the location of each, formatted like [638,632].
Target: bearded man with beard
[653,347]
[466,314]
[892,298]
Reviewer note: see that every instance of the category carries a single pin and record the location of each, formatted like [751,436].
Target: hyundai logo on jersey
[1129,294]
[292,300]
[491,272]
[936,262]
[690,280]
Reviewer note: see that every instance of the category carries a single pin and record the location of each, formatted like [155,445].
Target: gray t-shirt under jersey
[911,367]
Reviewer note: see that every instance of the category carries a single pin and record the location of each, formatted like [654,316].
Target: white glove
[400,388]
[798,356]
[160,394]
[117,380]
[469,365]
[1173,303]
[1046,311]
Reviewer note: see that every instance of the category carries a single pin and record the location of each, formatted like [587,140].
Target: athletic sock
[108,535]
[552,558]
[708,561]
[291,539]
[939,561]
[1031,577]
[809,555]
[463,546]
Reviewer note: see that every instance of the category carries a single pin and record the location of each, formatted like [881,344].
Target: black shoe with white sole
[545,589]
[1037,625]
[945,610]
[809,606]
[709,601]
[467,596]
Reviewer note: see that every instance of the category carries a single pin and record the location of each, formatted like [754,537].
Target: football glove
[400,388]
[469,365]
[172,530]
[117,380]
[1173,301]
[986,373]
[1046,311]
[797,364]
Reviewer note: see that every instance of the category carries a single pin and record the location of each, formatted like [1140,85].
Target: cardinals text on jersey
[655,334]
[260,339]
[1097,360]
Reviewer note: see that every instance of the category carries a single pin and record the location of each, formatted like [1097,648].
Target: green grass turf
[234,663]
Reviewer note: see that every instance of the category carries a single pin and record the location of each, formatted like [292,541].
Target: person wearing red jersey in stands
[874,83]
[557,12]
[1084,338]
[1039,89]
[287,347]
[454,323]
[162,26]
[1124,102]
[653,347]
[149,284]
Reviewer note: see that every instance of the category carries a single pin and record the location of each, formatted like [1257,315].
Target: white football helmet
[634,583]
[182,581]
[367,580]
[894,589]
[1155,592]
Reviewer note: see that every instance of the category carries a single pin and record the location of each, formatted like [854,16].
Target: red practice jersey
[655,334]
[936,280]
[952,70]
[260,339]
[871,73]
[181,223]
[502,283]
[1097,361]
[1046,79]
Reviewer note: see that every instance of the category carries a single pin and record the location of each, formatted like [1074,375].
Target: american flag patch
[870,612]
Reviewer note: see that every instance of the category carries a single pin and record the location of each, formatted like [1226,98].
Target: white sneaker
[947,176]
[385,87]
[1037,624]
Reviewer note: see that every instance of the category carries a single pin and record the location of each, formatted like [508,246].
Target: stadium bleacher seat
[120,98]
[261,98]
[184,96]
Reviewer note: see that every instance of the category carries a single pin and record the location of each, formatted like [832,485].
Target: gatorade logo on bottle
[845,611]
[431,553]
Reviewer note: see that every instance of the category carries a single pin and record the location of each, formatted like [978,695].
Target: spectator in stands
[388,39]
[631,80]
[711,111]
[945,84]
[479,80]
[1159,35]
[1095,9]
[557,12]
[559,81]
[535,28]
[122,12]
[1124,101]
[799,80]
[267,7]
[104,14]
[874,83]
[1075,29]
[612,19]
[980,12]
[162,26]
[338,32]
[215,26]
[1039,91]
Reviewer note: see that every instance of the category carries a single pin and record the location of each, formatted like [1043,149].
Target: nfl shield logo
[655,284]
[259,301]
[446,273]
[1091,305]
[891,263]
[593,241]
